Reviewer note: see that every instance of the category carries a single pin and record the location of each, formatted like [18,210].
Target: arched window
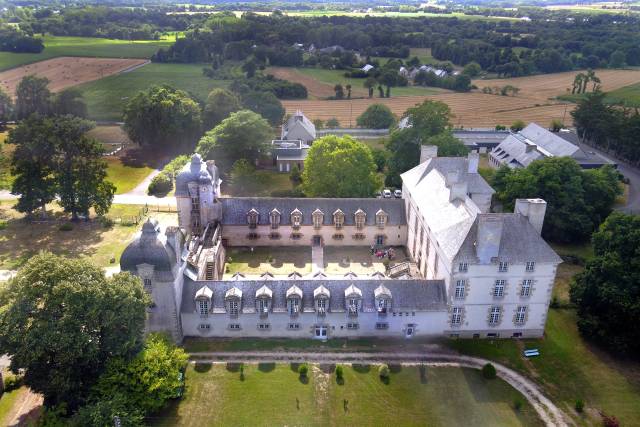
[233,301]
[296,219]
[274,219]
[321,297]
[252,218]
[263,300]
[318,216]
[381,218]
[338,219]
[360,218]
[203,300]
[353,298]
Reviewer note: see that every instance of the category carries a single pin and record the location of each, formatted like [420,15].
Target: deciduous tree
[6,109]
[32,96]
[376,116]
[220,103]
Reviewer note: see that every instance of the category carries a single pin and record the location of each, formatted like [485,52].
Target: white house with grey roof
[474,273]
[298,127]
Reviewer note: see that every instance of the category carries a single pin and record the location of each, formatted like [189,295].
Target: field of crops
[85,46]
[107,97]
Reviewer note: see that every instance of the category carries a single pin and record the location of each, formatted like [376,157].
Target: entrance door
[317,240]
[410,330]
[320,333]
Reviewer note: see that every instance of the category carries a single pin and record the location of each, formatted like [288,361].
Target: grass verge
[125,177]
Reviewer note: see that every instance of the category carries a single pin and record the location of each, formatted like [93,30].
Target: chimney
[473,159]
[488,237]
[451,178]
[428,152]
[534,210]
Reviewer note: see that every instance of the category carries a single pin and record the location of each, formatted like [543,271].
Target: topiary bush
[383,371]
[579,405]
[517,404]
[339,374]
[303,370]
[489,371]
[160,185]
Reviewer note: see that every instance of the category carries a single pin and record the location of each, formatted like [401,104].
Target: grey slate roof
[475,181]
[520,242]
[196,170]
[298,120]
[235,209]
[406,294]
[481,138]
[150,247]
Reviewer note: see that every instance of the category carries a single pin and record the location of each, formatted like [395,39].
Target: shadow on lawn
[361,368]
[202,367]
[266,367]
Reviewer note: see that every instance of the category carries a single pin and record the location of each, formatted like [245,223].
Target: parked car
[398,194]
[386,193]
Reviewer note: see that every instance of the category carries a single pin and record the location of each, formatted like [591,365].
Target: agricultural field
[216,396]
[107,97]
[536,102]
[85,46]
[627,95]
[457,15]
[64,72]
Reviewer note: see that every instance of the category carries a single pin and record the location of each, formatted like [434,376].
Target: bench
[531,353]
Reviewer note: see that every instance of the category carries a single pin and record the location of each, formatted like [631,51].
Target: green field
[628,95]
[273,394]
[333,77]
[125,177]
[316,12]
[84,46]
[107,97]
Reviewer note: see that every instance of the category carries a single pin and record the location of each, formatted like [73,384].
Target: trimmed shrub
[303,370]
[383,371]
[339,373]
[579,405]
[517,404]
[161,184]
[489,371]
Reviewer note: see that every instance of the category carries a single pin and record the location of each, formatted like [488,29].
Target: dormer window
[252,218]
[360,218]
[294,300]
[321,297]
[318,216]
[503,266]
[203,301]
[233,301]
[338,219]
[274,219]
[353,299]
[383,299]
[381,218]
[263,300]
[296,219]
[531,266]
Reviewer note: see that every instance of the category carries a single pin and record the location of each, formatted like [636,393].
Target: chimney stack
[458,191]
[473,159]
[428,152]
[534,210]
[489,237]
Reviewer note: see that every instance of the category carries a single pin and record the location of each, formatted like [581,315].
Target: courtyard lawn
[125,177]
[273,394]
[339,260]
[280,261]
[265,183]
[569,369]
[85,46]
[107,97]
[333,77]
[20,240]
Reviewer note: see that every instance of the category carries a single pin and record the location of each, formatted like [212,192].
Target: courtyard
[284,260]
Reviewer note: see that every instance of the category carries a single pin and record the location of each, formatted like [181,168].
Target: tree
[339,91]
[33,164]
[61,320]
[617,59]
[147,381]
[376,116]
[318,123]
[389,78]
[380,158]
[295,176]
[348,88]
[339,167]
[250,67]
[242,135]
[448,145]
[6,109]
[243,178]
[607,292]
[572,209]
[333,123]
[163,117]
[489,371]
[472,69]
[429,118]
[370,84]
[266,104]
[556,125]
[69,101]
[220,103]
[32,96]
[517,126]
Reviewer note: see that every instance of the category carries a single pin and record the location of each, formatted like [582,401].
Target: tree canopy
[6,109]
[32,96]
[242,135]
[577,200]
[220,103]
[376,116]
[607,292]
[266,104]
[62,319]
[339,167]
[163,117]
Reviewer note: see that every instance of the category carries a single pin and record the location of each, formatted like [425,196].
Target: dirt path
[26,410]
[548,412]
[64,72]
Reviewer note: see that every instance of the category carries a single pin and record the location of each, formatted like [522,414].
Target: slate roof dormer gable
[150,247]
[382,292]
[204,293]
[264,292]
[235,209]
[294,291]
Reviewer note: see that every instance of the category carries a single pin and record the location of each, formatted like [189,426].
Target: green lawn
[265,183]
[333,77]
[273,394]
[124,177]
[281,260]
[107,97]
[570,369]
[84,46]
[7,400]
[628,95]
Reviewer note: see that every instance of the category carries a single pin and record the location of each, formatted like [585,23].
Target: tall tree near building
[32,97]
[69,101]
[376,116]
[242,135]
[220,103]
[163,117]
[6,109]
[339,167]
[61,320]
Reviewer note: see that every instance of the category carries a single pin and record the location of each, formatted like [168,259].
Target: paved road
[550,414]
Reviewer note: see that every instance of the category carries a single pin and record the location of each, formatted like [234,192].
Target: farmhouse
[288,153]
[534,142]
[298,127]
[468,272]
